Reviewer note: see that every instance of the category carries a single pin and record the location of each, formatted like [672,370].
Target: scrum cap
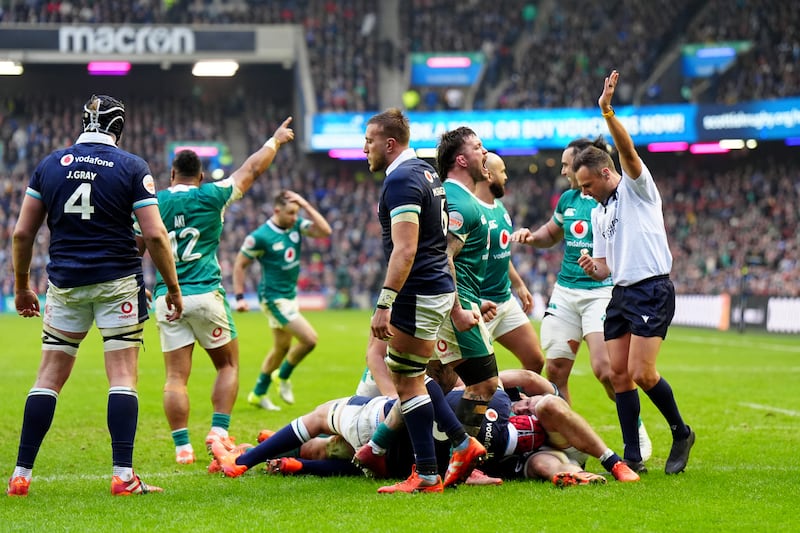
[105,114]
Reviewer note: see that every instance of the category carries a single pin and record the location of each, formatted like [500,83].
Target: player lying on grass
[526,430]
[354,418]
[524,438]
[528,436]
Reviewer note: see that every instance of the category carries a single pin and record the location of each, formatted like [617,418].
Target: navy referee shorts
[644,309]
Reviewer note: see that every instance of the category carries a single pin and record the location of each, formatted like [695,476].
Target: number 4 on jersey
[81,201]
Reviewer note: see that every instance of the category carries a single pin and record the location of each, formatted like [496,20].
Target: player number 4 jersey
[92,189]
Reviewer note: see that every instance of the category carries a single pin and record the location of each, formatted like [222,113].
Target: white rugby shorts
[571,315]
[206,319]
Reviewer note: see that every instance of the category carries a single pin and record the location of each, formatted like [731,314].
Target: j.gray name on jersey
[81,175]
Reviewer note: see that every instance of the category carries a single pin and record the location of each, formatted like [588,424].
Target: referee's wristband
[239,296]
[386,298]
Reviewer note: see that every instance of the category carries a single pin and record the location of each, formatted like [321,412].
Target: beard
[497,190]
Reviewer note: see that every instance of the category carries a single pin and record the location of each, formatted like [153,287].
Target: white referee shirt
[629,231]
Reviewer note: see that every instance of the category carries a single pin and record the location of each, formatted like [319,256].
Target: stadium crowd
[722,214]
[770,69]
[572,41]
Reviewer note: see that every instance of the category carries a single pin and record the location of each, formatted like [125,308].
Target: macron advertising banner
[555,128]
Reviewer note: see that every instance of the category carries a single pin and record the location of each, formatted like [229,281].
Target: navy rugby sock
[418,416]
[122,416]
[662,397]
[40,407]
[628,408]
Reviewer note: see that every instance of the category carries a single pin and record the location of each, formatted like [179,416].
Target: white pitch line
[738,343]
[98,477]
[770,408]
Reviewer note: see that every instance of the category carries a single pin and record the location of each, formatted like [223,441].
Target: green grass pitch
[738,391]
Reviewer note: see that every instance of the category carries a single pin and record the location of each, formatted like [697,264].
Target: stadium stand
[564,61]
[770,69]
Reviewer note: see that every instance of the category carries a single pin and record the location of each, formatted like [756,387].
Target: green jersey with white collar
[467,221]
[496,284]
[573,214]
[278,252]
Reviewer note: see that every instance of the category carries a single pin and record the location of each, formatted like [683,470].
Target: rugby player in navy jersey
[417,295]
[89,193]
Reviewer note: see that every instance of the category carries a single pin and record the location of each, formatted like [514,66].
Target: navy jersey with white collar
[90,191]
[414,186]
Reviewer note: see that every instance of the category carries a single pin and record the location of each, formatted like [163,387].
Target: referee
[630,244]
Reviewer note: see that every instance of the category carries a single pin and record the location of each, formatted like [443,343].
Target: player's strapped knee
[407,364]
[471,413]
[300,430]
[121,338]
[478,369]
[52,340]
[557,391]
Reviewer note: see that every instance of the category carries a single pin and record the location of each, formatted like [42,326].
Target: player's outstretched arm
[628,157]
[260,161]
[545,236]
[376,353]
[527,381]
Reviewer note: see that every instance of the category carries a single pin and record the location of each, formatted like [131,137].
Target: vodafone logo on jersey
[289,255]
[505,239]
[491,415]
[428,176]
[579,228]
[67,160]
[217,333]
